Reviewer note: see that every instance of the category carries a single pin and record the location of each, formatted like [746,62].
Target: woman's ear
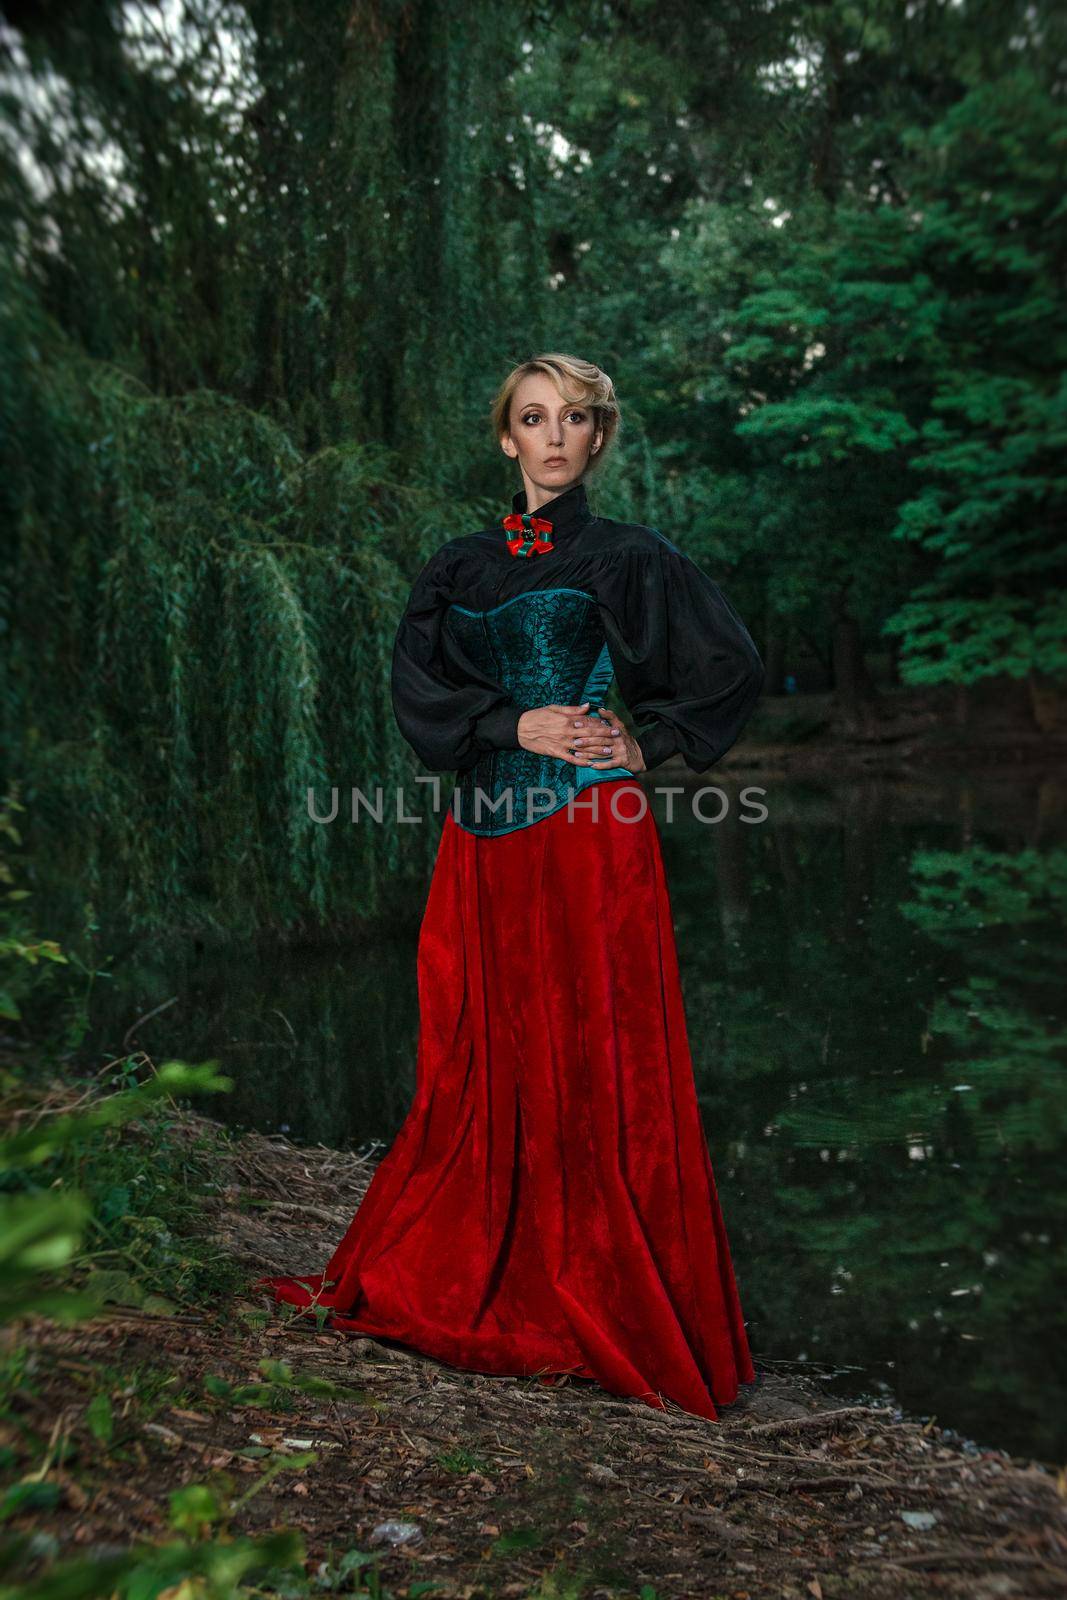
[507,444]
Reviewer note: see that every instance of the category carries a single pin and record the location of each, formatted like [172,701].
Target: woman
[548,1205]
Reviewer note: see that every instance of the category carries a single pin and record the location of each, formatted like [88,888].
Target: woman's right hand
[550,731]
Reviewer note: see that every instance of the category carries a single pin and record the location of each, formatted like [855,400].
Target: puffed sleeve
[686,665]
[447,709]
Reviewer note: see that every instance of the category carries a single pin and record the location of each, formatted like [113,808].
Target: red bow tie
[531,533]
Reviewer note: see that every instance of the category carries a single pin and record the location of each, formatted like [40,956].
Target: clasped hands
[585,739]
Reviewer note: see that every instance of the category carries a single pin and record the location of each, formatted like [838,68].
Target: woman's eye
[533,416]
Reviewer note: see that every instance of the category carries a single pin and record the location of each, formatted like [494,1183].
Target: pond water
[874,984]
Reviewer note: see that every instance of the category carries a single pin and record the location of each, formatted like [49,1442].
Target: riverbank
[901,730]
[498,1487]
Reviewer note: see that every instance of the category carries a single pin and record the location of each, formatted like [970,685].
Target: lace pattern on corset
[545,647]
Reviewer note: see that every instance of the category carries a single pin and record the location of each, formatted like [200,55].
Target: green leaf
[99,1417]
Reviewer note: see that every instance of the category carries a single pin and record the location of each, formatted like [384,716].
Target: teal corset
[545,647]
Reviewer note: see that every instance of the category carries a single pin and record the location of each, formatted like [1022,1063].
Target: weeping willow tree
[398,172]
[332,216]
[195,640]
[244,369]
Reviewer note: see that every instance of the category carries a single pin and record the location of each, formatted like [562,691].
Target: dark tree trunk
[857,697]
[774,656]
[1046,701]
[893,660]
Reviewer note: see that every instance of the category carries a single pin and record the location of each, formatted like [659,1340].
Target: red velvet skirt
[548,1205]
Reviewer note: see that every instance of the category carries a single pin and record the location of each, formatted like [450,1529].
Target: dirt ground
[505,1487]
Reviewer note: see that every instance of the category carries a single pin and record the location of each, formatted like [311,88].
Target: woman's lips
[556,461]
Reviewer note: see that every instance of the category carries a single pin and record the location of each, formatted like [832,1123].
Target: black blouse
[685,664]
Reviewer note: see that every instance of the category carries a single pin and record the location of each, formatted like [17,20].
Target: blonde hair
[578,381]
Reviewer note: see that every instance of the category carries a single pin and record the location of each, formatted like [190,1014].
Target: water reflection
[874,982]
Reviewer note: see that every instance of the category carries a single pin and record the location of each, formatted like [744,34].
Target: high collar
[565,511]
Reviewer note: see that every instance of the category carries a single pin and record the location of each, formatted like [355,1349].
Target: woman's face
[551,438]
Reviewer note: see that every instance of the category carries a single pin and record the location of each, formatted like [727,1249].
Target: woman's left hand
[605,742]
